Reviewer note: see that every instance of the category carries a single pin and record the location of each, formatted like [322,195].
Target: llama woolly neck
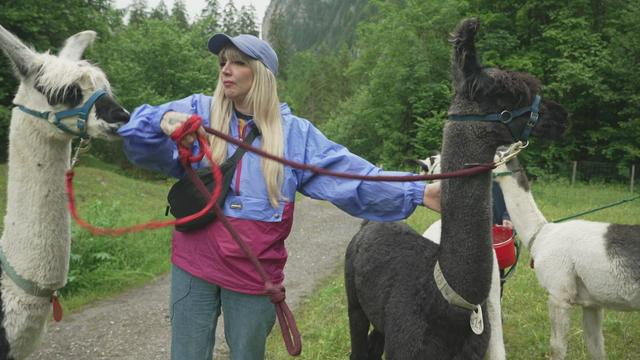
[36,239]
[465,249]
[36,217]
[525,215]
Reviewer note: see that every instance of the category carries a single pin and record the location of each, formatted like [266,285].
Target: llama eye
[72,96]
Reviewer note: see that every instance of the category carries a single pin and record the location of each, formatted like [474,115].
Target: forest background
[372,74]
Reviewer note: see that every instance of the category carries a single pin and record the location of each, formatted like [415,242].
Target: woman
[210,273]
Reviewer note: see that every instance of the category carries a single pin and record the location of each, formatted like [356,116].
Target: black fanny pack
[185,199]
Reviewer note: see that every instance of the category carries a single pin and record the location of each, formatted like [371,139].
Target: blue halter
[81,112]
[506,117]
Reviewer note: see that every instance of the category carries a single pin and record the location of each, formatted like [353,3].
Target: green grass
[102,266]
[323,322]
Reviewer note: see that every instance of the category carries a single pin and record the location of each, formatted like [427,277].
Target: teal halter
[506,117]
[81,112]
[28,286]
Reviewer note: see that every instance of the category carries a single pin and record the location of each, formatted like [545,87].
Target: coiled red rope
[287,323]
[288,326]
[217,175]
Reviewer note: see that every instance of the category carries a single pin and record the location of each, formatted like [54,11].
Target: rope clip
[513,151]
[83,146]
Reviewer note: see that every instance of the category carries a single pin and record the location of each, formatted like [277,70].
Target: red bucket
[504,246]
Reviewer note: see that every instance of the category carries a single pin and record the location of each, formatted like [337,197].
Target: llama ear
[18,53]
[466,66]
[424,165]
[76,44]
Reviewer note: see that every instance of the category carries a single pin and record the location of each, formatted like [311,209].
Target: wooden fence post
[573,172]
[633,175]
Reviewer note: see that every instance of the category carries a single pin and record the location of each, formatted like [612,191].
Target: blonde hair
[262,99]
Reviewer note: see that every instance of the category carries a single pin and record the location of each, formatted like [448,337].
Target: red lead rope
[215,170]
[467,171]
[288,326]
[287,323]
[154,224]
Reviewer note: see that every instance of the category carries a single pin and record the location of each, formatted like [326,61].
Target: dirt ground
[135,325]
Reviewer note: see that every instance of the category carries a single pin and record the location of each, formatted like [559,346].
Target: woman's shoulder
[301,133]
[201,101]
[292,121]
[195,103]
[201,97]
[193,99]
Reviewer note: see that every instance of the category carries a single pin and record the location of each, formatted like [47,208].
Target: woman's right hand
[432,196]
[172,120]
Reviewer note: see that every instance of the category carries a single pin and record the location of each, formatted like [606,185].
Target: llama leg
[358,328]
[404,336]
[25,317]
[560,323]
[496,343]
[376,345]
[358,321]
[592,326]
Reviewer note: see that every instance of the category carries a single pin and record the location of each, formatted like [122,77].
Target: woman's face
[237,77]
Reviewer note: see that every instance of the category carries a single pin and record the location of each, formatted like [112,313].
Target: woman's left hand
[172,120]
[432,196]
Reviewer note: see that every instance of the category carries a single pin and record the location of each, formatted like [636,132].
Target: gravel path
[135,325]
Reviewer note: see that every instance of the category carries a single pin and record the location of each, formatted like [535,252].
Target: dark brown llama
[391,270]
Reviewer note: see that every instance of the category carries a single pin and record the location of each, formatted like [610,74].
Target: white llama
[587,263]
[35,243]
[495,351]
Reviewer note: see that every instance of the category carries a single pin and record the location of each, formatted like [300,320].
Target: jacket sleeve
[147,146]
[373,200]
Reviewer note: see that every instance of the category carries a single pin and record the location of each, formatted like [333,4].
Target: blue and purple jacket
[210,253]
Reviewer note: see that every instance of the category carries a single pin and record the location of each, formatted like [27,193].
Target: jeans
[195,307]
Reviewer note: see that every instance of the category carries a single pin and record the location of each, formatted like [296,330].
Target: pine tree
[280,40]
[138,12]
[247,21]
[179,14]
[230,19]
[210,17]
[160,12]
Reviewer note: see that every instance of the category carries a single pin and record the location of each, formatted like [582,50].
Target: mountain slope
[309,23]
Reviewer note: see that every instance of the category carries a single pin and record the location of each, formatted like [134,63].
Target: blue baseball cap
[249,45]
